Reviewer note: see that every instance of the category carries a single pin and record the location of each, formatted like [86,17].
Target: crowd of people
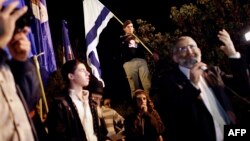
[194,101]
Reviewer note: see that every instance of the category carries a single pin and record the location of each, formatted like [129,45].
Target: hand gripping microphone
[194,61]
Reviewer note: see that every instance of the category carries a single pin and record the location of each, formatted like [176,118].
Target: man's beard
[189,62]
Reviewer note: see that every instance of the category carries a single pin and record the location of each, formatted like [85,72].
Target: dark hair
[127,22]
[108,101]
[150,103]
[95,86]
[69,67]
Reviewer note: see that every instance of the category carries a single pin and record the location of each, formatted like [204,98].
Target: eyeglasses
[185,48]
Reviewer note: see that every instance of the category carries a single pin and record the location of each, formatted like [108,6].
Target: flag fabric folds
[42,38]
[96,18]
[67,50]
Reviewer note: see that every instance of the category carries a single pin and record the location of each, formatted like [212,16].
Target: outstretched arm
[241,78]
[228,47]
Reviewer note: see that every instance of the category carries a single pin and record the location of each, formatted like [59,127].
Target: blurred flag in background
[42,38]
[67,50]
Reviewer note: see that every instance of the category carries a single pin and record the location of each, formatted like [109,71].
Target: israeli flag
[96,18]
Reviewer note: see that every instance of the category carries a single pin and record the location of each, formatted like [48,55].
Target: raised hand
[228,47]
[8,18]
[19,45]
[144,108]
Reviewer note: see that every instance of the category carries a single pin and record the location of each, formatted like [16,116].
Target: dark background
[155,12]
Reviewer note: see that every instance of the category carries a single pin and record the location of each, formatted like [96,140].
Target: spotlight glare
[247,36]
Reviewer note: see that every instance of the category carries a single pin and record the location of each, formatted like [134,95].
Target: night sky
[155,12]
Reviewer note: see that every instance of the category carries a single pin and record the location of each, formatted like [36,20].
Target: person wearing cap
[144,124]
[112,120]
[96,90]
[134,63]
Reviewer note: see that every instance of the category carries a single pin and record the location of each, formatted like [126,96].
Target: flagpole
[135,36]
[41,86]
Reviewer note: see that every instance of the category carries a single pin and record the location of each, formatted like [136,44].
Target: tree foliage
[158,42]
[202,21]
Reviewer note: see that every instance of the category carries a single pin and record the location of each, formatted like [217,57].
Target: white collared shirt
[84,112]
[210,102]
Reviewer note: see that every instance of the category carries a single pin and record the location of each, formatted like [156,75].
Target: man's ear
[70,76]
[175,58]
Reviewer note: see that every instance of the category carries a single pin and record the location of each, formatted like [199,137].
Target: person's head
[186,52]
[141,98]
[20,51]
[96,89]
[75,73]
[107,102]
[7,24]
[128,27]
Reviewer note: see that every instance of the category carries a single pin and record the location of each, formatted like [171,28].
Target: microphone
[194,61]
[204,68]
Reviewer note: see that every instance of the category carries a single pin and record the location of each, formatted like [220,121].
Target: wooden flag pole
[41,87]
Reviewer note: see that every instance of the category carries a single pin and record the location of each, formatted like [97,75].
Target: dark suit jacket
[64,123]
[184,114]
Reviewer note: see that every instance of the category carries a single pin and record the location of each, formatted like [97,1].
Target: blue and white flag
[42,37]
[67,50]
[96,18]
